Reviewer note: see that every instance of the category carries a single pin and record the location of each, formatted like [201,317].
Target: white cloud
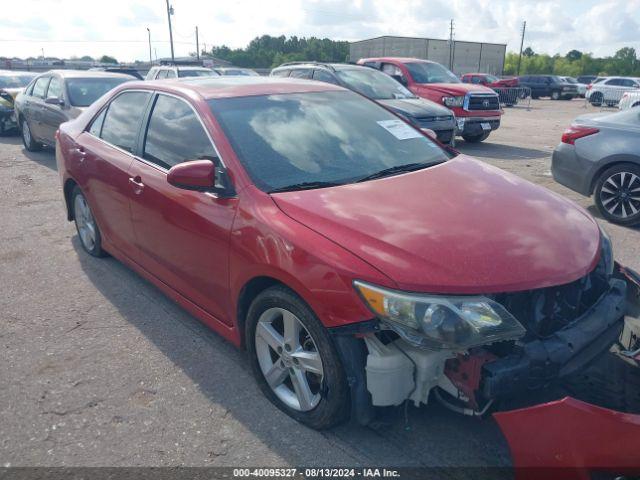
[118,27]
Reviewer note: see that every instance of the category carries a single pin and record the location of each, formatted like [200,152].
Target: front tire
[294,360]
[27,138]
[555,95]
[596,99]
[87,228]
[476,138]
[617,194]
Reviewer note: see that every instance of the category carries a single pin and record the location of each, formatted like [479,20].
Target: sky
[65,28]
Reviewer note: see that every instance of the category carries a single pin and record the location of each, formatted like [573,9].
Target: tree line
[624,63]
[268,52]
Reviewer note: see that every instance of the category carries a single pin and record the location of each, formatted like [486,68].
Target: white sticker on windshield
[399,129]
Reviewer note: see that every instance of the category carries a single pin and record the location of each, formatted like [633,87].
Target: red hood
[452,88]
[459,227]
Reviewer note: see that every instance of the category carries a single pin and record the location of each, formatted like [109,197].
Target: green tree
[573,55]
[107,59]
[528,52]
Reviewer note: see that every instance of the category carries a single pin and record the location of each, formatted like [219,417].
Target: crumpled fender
[566,439]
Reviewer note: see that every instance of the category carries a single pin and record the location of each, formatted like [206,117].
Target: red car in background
[476,107]
[489,80]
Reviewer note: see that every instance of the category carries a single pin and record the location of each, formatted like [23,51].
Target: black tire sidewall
[334,405]
[97,250]
[626,167]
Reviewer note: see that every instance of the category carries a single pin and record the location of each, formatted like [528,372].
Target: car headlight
[453,101]
[440,321]
[606,252]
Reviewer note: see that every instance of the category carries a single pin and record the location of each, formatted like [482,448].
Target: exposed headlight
[453,101]
[435,321]
[606,252]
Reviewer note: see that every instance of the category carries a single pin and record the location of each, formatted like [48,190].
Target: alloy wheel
[85,222]
[26,133]
[289,359]
[620,194]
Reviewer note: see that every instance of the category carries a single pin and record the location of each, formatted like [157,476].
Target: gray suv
[380,87]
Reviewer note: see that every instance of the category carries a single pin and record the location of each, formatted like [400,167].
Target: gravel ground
[100,369]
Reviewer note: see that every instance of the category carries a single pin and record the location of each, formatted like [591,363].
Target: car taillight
[574,132]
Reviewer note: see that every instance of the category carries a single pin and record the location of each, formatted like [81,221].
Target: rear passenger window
[281,73]
[122,121]
[323,76]
[40,87]
[175,134]
[96,126]
[300,73]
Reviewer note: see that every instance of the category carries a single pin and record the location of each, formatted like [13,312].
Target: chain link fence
[512,96]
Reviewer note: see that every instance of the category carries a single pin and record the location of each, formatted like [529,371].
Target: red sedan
[359,263]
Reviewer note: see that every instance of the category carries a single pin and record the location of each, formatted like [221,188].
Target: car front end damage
[473,354]
[7,113]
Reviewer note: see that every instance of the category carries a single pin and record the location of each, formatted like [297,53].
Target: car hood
[459,227]
[416,107]
[453,88]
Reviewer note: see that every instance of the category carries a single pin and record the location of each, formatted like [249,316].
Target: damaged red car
[358,262]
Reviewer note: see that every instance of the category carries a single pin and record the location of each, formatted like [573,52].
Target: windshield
[84,91]
[15,81]
[335,137]
[424,72]
[373,84]
[570,80]
[197,73]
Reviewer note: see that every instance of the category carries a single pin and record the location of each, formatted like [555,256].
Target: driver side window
[395,72]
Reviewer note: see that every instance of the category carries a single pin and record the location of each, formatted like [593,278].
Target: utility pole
[451,47]
[524,26]
[150,59]
[169,13]
[197,45]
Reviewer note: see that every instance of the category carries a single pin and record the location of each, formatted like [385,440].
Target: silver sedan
[600,155]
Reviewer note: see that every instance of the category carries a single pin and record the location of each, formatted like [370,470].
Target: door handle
[80,152]
[136,183]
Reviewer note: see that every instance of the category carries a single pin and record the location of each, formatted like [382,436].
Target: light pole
[150,59]
[169,13]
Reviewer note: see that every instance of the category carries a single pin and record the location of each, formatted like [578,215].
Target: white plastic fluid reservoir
[389,374]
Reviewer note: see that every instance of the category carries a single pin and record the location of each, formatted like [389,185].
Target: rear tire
[617,194]
[86,226]
[327,402]
[27,138]
[596,99]
[476,138]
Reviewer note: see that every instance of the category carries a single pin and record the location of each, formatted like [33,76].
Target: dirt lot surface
[99,368]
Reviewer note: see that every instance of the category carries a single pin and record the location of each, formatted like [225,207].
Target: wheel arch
[67,189]
[608,163]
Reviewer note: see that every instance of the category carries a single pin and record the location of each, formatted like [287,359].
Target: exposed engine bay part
[398,371]
[577,439]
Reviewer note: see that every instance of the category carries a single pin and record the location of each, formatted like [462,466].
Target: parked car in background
[502,86]
[489,80]
[383,89]
[582,88]
[236,71]
[476,107]
[609,90]
[11,83]
[57,96]
[126,71]
[551,86]
[629,100]
[586,79]
[600,155]
[358,262]
[174,71]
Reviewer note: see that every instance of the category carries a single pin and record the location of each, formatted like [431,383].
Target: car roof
[396,59]
[13,73]
[326,65]
[230,86]
[86,74]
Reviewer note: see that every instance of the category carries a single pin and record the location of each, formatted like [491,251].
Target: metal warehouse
[468,57]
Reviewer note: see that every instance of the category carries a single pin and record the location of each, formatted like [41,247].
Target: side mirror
[54,101]
[200,175]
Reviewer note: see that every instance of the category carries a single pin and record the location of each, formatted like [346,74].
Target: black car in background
[380,87]
[56,97]
[551,86]
[586,79]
